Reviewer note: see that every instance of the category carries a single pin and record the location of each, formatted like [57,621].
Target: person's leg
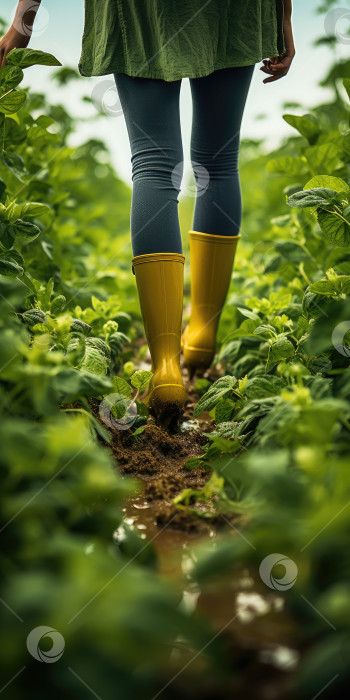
[151,109]
[218,104]
[152,115]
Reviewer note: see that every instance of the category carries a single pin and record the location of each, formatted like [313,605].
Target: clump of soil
[157,457]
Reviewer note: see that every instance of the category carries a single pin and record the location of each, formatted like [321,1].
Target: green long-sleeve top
[173,39]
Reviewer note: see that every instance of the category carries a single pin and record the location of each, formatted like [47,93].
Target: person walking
[150,46]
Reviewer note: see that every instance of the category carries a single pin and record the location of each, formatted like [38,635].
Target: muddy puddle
[255,626]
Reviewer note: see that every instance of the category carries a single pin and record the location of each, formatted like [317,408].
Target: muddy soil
[157,457]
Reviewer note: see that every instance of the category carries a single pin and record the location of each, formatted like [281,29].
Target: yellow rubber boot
[159,279]
[211,267]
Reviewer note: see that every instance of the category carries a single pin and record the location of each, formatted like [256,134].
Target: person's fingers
[272,78]
[277,66]
[266,67]
[266,70]
[276,70]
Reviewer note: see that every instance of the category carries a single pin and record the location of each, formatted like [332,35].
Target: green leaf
[339,285]
[34,316]
[286,164]
[142,409]
[121,387]
[323,158]
[224,410]
[139,430]
[141,378]
[222,387]
[194,462]
[10,77]
[248,313]
[12,101]
[15,163]
[228,429]
[7,235]
[285,220]
[316,197]
[291,251]
[31,57]
[265,328]
[245,330]
[334,228]
[32,209]
[78,326]
[58,304]
[273,265]
[328,182]
[94,361]
[281,349]
[305,126]
[225,445]
[322,287]
[261,387]
[44,121]
[100,345]
[25,231]
[10,268]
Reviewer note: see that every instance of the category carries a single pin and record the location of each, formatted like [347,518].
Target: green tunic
[173,39]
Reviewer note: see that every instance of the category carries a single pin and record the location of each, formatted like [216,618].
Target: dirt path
[257,632]
[255,627]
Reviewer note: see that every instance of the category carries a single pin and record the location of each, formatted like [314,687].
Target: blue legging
[151,110]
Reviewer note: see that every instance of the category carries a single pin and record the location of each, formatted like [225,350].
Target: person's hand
[277,66]
[18,36]
[12,40]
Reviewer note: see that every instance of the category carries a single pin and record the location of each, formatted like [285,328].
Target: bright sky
[58,29]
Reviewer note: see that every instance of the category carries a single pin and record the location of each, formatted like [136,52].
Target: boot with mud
[159,279]
[211,267]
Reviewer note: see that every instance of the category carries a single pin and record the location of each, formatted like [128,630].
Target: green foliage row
[69,312]
[280,448]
